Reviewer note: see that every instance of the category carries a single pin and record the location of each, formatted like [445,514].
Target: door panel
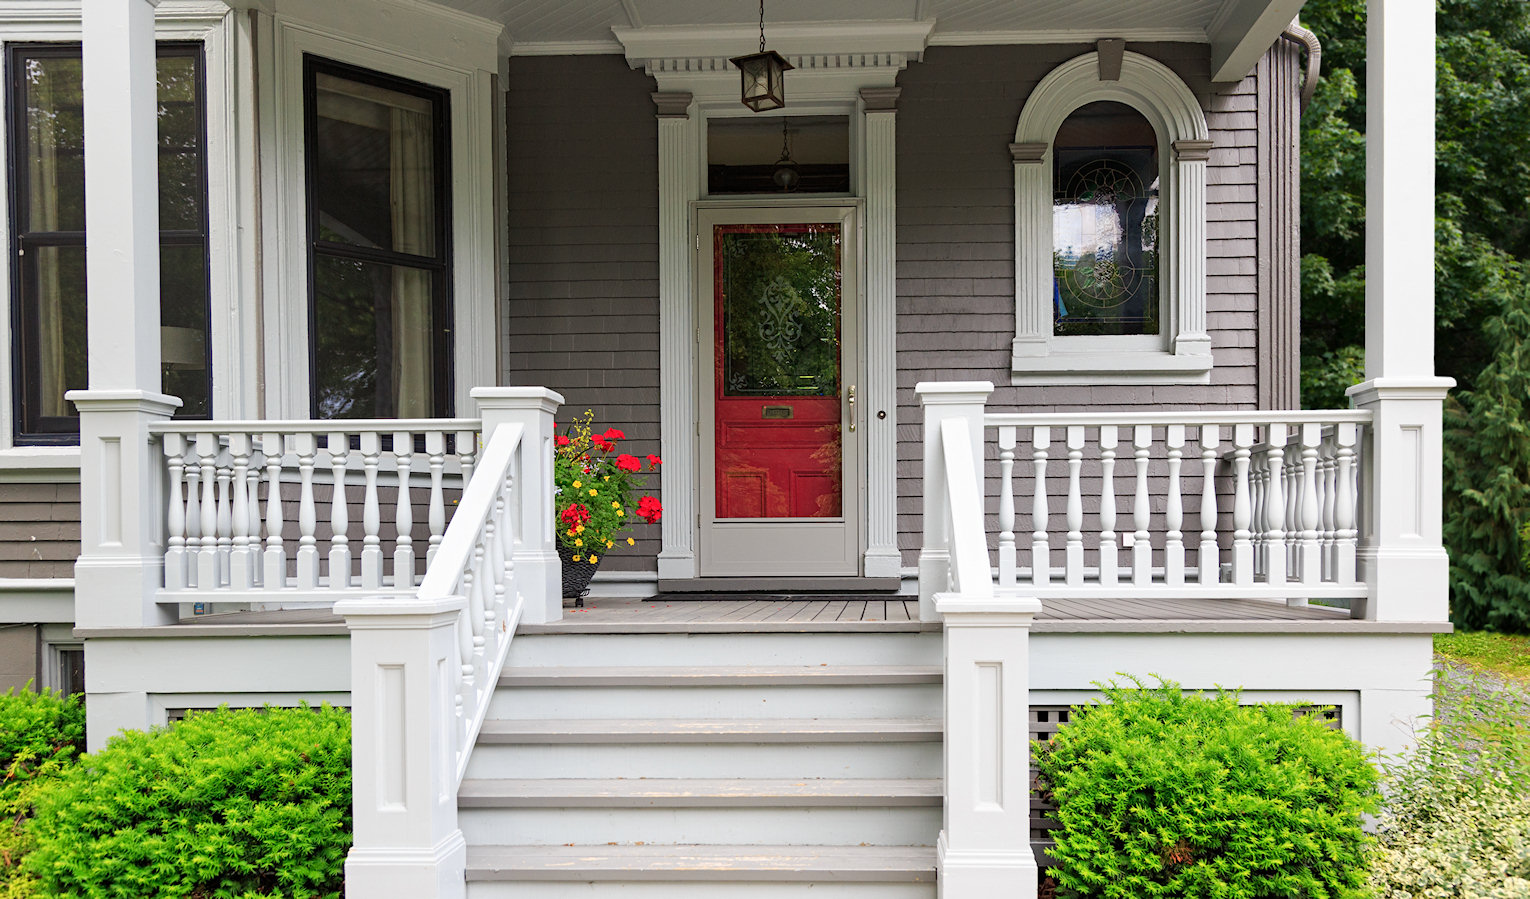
[779,304]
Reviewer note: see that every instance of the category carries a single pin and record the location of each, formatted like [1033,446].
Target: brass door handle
[852,406]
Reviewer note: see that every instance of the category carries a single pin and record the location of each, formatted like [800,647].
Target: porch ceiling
[1238,30]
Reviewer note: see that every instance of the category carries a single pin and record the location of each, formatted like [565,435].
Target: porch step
[720,676]
[697,793]
[709,864]
[716,730]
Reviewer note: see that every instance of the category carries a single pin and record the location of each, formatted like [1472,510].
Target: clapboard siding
[583,308]
[955,274]
[39,529]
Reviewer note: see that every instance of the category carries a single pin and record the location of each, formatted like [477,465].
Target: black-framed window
[46,157]
[379,271]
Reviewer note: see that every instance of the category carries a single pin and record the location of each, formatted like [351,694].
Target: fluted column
[1033,268]
[678,179]
[881,405]
[1188,275]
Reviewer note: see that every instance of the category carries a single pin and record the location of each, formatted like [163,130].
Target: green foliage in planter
[41,734]
[1457,818]
[1165,795]
[224,804]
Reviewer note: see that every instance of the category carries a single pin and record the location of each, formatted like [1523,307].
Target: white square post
[1401,556]
[404,669]
[942,400]
[537,568]
[122,502]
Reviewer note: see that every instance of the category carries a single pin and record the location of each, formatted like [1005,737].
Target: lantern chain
[762,26]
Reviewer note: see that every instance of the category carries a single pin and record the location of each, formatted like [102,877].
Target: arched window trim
[1182,352]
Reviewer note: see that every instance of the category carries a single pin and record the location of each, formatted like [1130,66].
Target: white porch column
[880,424]
[1400,556]
[985,841]
[121,563]
[407,843]
[678,185]
[537,569]
[943,400]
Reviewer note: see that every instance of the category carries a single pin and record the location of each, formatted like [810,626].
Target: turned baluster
[1345,534]
[1310,550]
[207,556]
[174,446]
[252,510]
[225,515]
[435,448]
[403,550]
[1073,558]
[1293,494]
[493,567]
[467,454]
[339,516]
[193,512]
[1275,512]
[241,566]
[1142,544]
[276,551]
[1109,560]
[1174,510]
[307,447]
[1041,549]
[1007,550]
[1259,481]
[1243,547]
[371,513]
[1208,559]
[506,506]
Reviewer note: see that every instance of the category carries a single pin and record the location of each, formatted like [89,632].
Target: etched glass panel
[779,289]
[1105,223]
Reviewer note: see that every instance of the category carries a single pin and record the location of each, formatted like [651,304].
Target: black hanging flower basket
[576,575]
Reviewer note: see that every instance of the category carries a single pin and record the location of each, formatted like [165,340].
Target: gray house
[973,369]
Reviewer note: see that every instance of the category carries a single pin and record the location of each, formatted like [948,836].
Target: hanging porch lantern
[763,74]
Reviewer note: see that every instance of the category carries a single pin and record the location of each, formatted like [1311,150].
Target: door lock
[852,406]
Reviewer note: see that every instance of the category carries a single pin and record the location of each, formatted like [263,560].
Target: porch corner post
[537,568]
[985,841]
[122,481]
[942,400]
[879,106]
[407,844]
[1401,556]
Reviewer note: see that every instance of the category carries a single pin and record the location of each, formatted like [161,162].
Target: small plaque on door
[776,412]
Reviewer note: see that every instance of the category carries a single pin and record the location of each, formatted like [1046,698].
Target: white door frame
[812,544]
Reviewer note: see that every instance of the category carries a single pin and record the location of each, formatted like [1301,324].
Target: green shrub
[1457,818]
[1161,794]
[224,804]
[40,736]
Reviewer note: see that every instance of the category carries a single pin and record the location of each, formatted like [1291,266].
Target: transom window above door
[379,257]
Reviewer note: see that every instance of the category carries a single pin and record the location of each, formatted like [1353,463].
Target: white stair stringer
[737,765]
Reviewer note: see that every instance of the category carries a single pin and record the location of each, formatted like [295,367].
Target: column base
[540,574]
[678,566]
[967,874]
[883,561]
[439,872]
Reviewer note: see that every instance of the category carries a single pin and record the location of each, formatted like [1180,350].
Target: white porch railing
[242,521]
[1216,504]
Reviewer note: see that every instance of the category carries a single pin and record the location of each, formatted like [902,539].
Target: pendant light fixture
[763,74]
[786,176]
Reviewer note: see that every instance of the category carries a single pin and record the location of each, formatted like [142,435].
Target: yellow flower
[576,558]
[594,492]
[606,478]
[577,485]
[571,532]
[616,505]
[631,542]
[594,559]
[621,513]
[609,544]
[578,542]
[579,530]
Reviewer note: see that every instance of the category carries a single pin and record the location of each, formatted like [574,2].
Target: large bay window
[1110,225]
[379,260]
[47,213]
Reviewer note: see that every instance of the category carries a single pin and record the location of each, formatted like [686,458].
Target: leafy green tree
[1482,286]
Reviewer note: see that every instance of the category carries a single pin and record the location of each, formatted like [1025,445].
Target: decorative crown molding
[1192,150]
[672,104]
[880,99]
[1028,153]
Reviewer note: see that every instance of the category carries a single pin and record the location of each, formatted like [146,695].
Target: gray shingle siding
[39,530]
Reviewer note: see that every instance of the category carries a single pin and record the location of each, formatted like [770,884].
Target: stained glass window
[1105,223]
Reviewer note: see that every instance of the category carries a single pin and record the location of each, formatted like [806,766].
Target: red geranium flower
[655,461]
[561,440]
[628,463]
[649,509]
[613,434]
[575,515]
[602,444]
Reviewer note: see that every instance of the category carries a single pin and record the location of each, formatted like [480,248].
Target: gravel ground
[1463,679]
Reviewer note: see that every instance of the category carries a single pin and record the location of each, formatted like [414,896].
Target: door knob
[852,406]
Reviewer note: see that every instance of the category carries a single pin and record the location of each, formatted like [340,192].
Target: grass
[1507,655]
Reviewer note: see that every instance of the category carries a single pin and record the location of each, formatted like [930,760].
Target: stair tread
[676,730]
[702,862]
[720,675]
[688,792]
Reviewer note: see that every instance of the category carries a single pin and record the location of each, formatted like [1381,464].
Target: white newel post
[1400,554]
[122,483]
[942,400]
[537,569]
[985,843]
[403,673]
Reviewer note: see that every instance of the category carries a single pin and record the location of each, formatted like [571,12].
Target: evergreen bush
[231,803]
[41,735]
[1165,795]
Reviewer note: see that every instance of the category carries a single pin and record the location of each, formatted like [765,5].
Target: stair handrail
[970,571]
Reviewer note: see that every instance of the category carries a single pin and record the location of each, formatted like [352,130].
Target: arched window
[1110,223]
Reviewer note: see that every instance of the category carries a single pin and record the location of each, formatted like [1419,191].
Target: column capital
[672,104]
[880,99]
[1029,153]
[1192,150]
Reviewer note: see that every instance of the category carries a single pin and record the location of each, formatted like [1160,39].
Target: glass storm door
[781,485]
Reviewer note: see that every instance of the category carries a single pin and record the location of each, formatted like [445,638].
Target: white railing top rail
[444,575]
[313,426]
[1220,418]
[970,568]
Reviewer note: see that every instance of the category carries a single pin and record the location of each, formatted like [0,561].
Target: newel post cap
[933,393]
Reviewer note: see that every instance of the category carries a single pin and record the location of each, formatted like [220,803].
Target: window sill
[1104,368]
[40,464]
